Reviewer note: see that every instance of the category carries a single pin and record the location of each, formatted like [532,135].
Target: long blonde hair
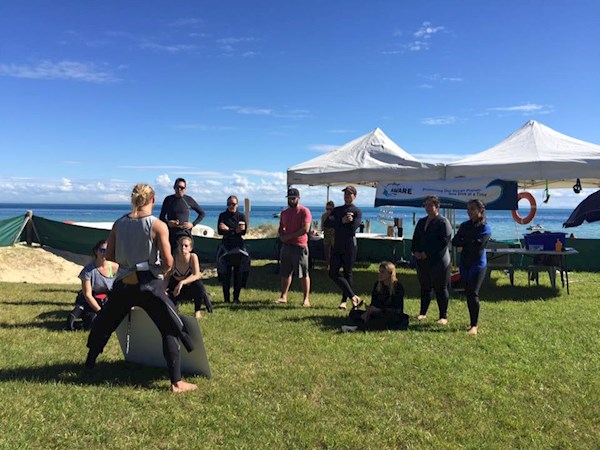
[391,269]
[141,195]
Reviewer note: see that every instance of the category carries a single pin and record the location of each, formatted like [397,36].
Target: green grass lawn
[285,377]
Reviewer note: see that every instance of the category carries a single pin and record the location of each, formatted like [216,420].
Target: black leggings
[158,306]
[193,291]
[472,285]
[382,321]
[434,278]
[233,269]
[84,312]
[343,260]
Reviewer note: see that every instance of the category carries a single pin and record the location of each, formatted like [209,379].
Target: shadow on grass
[493,293]
[51,320]
[333,323]
[65,291]
[32,303]
[115,373]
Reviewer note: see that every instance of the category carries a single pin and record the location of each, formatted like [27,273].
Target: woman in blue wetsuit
[96,281]
[184,281]
[470,240]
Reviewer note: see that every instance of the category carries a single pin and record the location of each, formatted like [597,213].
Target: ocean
[503,226]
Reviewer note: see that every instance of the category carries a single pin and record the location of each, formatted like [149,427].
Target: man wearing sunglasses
[175,212]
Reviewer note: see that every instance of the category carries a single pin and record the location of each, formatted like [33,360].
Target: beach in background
[503,225]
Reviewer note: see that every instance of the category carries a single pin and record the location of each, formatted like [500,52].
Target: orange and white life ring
[532,208]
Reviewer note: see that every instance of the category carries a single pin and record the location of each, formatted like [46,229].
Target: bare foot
[342,306]
[421,317]
[198,314]
[472,330]
[356,301]
[306,304]
[183,386]
[281,300]
[443,321]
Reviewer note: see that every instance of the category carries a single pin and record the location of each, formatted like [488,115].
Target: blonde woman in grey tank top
[136,242]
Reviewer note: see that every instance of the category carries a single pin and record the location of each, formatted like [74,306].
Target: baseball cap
[293,192]
[350,189]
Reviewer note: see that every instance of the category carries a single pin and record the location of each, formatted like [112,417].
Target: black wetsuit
[434,271]
[232,254]
[391,310]
[133,239]
[343,254]
[178,208]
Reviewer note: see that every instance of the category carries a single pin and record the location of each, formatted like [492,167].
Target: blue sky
[97,96]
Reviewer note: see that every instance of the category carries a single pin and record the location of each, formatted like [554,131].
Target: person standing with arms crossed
[175,212]
[139,242]
[294,225]
[345,220]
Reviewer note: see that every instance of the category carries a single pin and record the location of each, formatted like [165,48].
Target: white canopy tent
[533,155]
[368,160]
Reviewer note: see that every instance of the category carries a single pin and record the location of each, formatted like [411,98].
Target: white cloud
[340,131]
[62,70]
[323,148]
[254,111]
[174,48]
[425,86]
[150,167]
[526,109]
[202,127]
[65,185]
[234,40]
[249,110]
[443,120]
[427,31]
[185,21]
[164,180]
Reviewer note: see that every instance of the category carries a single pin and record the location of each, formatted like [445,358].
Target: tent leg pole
[327,193]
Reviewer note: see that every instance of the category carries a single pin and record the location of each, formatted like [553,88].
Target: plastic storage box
[544,241]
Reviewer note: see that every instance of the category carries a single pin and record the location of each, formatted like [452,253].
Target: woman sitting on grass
[96,281]
[184,283]
[386,311]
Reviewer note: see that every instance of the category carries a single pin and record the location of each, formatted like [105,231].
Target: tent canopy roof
[531,155]
[370,159]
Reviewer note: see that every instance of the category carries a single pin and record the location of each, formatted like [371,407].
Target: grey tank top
[134,245]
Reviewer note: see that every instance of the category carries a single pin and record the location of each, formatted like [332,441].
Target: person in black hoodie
[232,257]
[470,241]
[430,248]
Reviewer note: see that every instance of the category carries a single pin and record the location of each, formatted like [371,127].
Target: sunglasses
[180,188]
[329,209]
[231,204]
[101,250]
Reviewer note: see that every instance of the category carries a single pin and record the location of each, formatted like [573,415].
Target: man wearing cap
[294,225]
[175,212]
[345,220]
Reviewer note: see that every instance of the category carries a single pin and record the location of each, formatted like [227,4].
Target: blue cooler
[544,241]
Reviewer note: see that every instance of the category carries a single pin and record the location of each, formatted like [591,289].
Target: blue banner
[496,194]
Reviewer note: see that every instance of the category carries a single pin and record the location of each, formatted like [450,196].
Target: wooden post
[29,225]
[247,211]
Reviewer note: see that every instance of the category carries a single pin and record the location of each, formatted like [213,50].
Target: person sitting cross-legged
[386,310]
[183,282]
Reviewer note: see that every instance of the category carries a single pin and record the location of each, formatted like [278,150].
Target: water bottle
[558,246]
